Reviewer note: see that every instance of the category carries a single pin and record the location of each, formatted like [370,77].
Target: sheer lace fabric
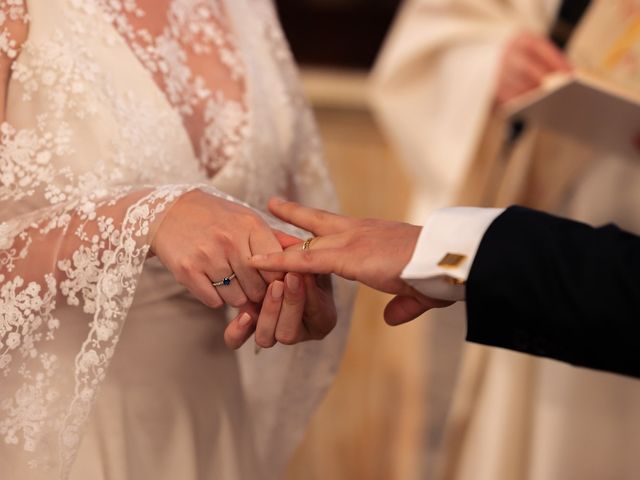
[113,110]
[189,48]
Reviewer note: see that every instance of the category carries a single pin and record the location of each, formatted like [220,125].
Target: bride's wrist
[156,227]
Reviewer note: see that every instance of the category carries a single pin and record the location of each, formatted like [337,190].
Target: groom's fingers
[320,310]
[404,309]
[263,241]
[268,320]
[324,261]
[290,328]
[319,222]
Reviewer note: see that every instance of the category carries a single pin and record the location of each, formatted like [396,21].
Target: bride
[135,133]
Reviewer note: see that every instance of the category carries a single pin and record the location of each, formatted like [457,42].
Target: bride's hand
[204,239]
[297,310]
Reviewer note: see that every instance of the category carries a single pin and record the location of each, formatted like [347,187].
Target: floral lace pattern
[11,11]
[91,157]
[195,30]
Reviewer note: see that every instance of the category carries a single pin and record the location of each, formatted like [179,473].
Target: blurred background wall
[371,424]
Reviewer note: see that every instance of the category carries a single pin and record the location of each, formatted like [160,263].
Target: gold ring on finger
[307,243]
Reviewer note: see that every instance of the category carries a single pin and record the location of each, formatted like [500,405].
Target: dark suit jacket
[560,289]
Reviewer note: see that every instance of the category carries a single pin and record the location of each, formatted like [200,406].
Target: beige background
[371,424]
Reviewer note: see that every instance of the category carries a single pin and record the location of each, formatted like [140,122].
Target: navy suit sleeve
[556,288]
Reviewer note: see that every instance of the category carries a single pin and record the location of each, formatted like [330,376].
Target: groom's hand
[373,252]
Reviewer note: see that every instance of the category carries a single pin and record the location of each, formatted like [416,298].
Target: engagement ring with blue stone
[225,282]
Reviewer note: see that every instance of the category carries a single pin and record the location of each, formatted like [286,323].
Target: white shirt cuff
[446,249]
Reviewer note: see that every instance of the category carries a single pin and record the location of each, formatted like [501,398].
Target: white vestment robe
[512,416]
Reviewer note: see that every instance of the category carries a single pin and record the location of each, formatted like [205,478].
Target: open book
[586,108]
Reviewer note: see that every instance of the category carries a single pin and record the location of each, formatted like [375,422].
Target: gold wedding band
[307,243]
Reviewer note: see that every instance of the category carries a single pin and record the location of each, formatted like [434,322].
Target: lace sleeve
[68,275]
[73,242]
[90,150]
[14,26]
[14,23]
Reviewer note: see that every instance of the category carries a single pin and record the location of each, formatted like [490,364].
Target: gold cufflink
[452,260]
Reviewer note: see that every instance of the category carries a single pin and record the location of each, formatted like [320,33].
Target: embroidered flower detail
[93,208]
[88,360]
[13,340]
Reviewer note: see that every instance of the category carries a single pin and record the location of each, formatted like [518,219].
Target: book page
[585,107]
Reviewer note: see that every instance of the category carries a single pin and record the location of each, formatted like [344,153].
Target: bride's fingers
[290,326]
[248,277]
[228,288]
[268,319]
[286,240]
[201,288]
[263,241]
[239,330]
[320,316]
[319,222]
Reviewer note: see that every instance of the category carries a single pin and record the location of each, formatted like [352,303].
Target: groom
[532,282]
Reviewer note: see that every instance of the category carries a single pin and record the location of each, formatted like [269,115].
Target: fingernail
[245,320]
[293,282]
[277,289]
[278,200]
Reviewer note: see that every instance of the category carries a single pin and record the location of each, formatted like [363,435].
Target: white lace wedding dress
[108,368]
